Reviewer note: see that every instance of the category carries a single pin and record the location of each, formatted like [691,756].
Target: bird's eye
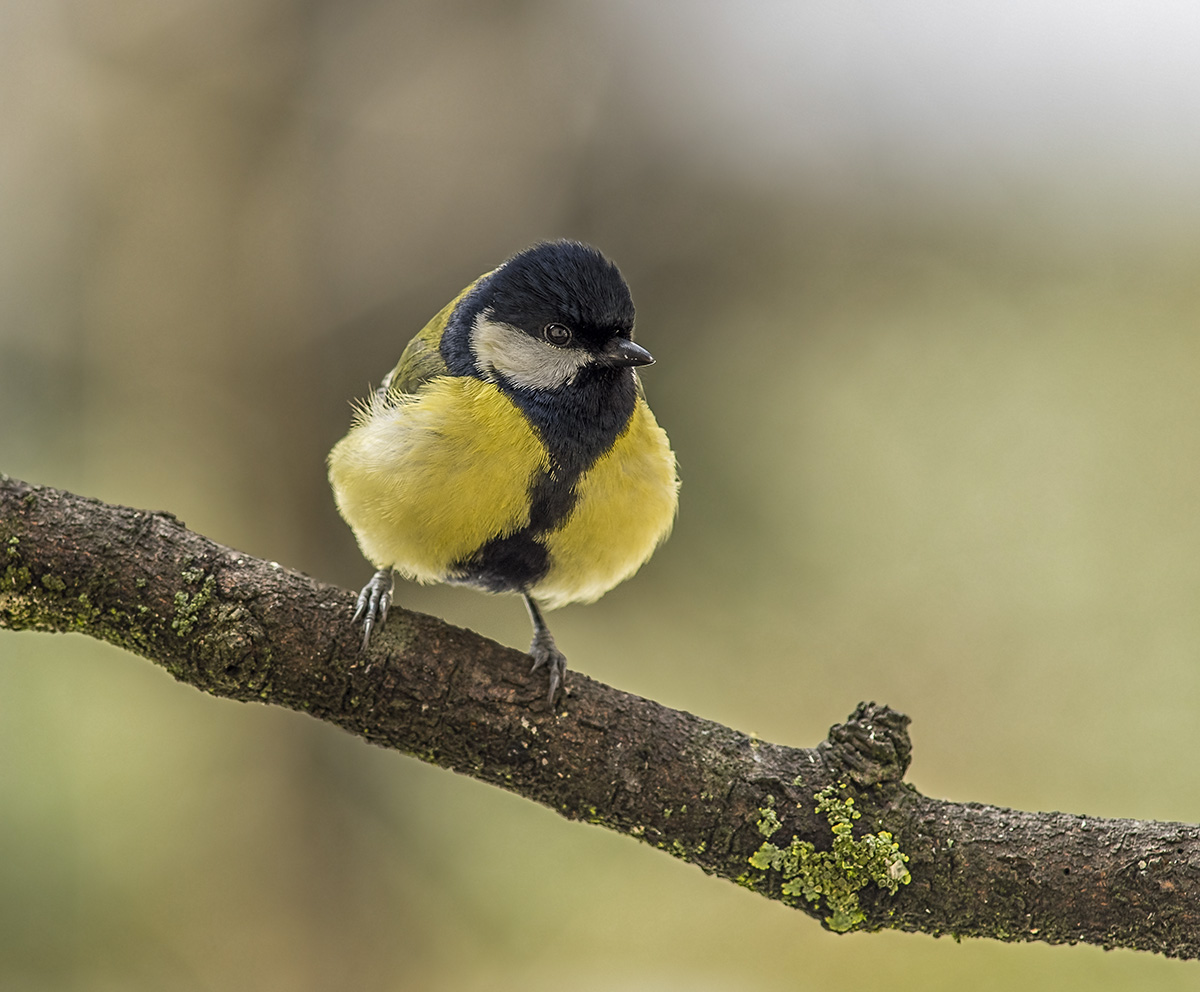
[558,335]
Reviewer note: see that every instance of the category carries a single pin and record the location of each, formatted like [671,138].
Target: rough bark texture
[738,807]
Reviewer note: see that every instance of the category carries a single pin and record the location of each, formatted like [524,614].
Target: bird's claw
[545,654]
[373,603]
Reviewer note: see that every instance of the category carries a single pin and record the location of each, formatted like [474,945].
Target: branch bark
[809,826]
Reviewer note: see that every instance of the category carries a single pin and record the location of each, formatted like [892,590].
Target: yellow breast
[427,478]
[625,509]
[424,481]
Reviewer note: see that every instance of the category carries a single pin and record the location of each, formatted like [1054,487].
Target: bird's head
[548,316]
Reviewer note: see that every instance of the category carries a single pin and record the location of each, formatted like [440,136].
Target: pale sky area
[1079,97]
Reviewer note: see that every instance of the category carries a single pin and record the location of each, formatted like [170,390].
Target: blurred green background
[922,283]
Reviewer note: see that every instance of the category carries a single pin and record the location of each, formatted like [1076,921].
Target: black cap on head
[562,281]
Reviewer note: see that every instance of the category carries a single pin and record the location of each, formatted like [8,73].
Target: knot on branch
[871,747]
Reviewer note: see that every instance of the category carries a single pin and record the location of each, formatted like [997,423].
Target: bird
[512,449]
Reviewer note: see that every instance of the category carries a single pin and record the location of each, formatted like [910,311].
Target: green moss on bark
[836,875]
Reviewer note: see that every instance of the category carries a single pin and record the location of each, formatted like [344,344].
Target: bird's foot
[373,603]
[545,654]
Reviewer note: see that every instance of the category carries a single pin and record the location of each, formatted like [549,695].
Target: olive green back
[422,359]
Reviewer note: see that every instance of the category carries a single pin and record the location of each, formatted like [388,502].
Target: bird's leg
[373,603]
[543,650]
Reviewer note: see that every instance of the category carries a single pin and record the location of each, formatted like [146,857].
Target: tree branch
[809,826]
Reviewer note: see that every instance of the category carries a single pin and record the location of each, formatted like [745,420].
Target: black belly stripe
[517,561]
[577,426]
[505,564]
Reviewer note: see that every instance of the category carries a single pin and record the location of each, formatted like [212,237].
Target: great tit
[511,448]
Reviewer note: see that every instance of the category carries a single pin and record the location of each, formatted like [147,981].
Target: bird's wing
[422,359]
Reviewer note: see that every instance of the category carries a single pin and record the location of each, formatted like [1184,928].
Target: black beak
[623,353]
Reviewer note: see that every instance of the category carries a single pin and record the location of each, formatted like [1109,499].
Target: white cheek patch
[521,359]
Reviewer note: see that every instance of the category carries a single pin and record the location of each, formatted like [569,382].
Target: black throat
[577,424]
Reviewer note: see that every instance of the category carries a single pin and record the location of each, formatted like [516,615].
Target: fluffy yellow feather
[626,508]
[402,476]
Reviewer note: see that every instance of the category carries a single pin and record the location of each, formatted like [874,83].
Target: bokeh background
[922,280]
